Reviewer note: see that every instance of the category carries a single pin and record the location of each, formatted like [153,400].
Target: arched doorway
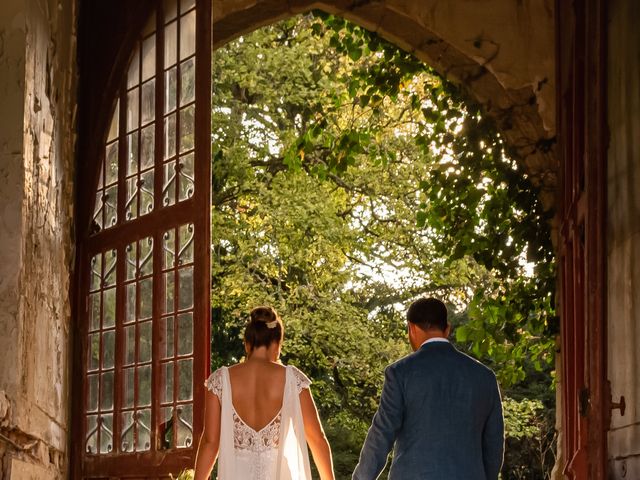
[518,98]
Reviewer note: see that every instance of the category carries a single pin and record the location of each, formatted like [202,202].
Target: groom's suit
[443,411]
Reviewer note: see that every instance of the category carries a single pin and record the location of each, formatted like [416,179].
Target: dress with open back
[278,451]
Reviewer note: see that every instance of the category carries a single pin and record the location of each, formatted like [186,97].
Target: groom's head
[427,318]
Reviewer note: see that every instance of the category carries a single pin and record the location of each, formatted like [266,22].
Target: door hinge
[584,401]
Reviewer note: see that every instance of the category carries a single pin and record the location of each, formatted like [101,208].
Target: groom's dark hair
[428,313]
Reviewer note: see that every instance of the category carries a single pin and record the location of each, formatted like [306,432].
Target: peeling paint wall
[37,98]
[623,232]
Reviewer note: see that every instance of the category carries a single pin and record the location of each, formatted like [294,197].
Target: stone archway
[498,50]
[494,62]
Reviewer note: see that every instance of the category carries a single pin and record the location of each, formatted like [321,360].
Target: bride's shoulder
[302,381]
[214,382]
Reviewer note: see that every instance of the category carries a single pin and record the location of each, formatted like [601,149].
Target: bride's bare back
[257,391]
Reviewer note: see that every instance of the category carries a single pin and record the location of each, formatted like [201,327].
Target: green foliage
[349,179]
[184,475]
[530,439]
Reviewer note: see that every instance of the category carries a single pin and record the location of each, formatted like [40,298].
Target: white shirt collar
[433,340]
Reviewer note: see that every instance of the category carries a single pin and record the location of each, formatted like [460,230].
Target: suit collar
[428,345]
[434,340]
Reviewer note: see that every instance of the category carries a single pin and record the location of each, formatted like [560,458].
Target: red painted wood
[581,68]
[128,20]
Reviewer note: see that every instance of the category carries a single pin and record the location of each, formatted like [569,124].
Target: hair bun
[256,334]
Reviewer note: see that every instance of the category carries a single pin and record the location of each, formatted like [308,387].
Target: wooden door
[143,273]
[582,135]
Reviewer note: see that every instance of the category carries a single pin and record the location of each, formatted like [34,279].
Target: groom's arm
[493,436]
[382,433]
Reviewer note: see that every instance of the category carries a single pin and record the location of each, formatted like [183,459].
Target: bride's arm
[316,438]
[210,439]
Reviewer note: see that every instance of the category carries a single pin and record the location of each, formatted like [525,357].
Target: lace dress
[278,451]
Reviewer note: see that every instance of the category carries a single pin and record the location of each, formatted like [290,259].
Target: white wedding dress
[276,452]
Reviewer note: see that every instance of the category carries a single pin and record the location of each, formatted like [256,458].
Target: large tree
[349,179]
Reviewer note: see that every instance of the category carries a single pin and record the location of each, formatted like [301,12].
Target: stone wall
[624,235]
[37,94]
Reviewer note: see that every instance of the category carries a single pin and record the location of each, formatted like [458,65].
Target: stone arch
[498,50]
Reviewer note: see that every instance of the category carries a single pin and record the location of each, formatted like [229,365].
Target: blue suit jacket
[442,410]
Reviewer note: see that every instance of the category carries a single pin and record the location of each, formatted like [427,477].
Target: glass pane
[170,10]
[109,312]
[94,311]
[149,58]
[170,44]
[92,434]
[167,377]
[144,431]
[169,292]
[146,193]
[132,110]
[170,136]
[169,181]
[186,128]
[101,177]
[132,153]
[185,379]
[185,425]
[148,104]
[106,434]
[166,346]
[187,35]
[132,198]
[185,299]
[187,81]
[92,393]
[133,76]
[144,345]
[127,432]
[168,246]
[110,259]
[128,387]
[98,211]
[144,386]
[108,348]
[93,360]
[130,314]
[96,272]
[115,123]
[166,428]
[186,5]
[131,261]
[129,345]
[187,182]
[185,334]
[106,392]
[146,298]
[111,157]
[147,147]
[146,257]
[110,206]
[186,233]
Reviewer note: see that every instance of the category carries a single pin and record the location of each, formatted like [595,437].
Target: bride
[259,414]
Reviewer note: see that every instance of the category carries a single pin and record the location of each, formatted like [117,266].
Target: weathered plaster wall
[502,51]
[624,235]
[37,94]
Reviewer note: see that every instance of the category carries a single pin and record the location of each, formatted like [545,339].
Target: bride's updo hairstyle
[264,328]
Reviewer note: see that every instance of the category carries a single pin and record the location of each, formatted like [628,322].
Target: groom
[440,408]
